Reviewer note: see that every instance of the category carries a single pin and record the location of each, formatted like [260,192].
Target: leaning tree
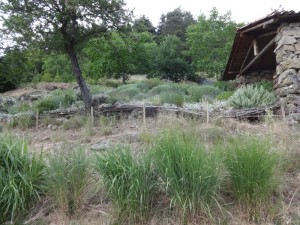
[62,25]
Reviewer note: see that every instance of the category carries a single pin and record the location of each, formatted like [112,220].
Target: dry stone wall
[254,77]
[287,76]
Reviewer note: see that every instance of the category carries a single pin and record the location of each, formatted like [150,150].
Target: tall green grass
[251,165]
[68,175]
[188,173]
[198,92]
[130,183]
[21,178]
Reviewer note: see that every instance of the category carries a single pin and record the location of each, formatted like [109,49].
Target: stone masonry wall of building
[287,77]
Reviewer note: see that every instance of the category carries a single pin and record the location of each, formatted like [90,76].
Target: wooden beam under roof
[263,51]
[261,25]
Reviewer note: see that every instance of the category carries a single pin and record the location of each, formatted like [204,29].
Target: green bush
[68,174]
[125,93]
[251,96]
[49,103]
[148,84]
[251,165]
[21,178]
[188,173]
[224,95]
[171,98]
[200,91]
[130,183]
[22,121]
[224,85]
[266,84]
[74,123]
[166,88]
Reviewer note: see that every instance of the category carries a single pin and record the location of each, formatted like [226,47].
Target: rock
[32,96]
[6,102]
[49,126]
[290,64]
[100,99]
[285,40]
[295,117]
[54,127]
[101,146]
[295,32]
[287,73]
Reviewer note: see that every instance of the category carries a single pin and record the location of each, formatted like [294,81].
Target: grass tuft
[130,183]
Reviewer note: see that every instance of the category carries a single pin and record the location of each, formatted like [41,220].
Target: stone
[292,32]
[290,64]
[285,74]
[101,146]
[285,40]
[295,116]
[291,108]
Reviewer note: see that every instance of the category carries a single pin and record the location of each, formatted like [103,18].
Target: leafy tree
[175,23]
[143,24]
[63,25]
[172,60]
[210,41]
[19,66]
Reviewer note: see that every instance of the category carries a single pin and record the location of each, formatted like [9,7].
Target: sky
[241,11]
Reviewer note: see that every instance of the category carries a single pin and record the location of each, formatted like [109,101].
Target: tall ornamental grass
[130,183]
[21,179]
[68,174]
[251,165]
[188,173]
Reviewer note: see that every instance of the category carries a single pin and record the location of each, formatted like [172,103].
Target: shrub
[200,91]
[68,175]
[224,95]
[166,88]
[148,84]
[130,183]
[251,166]
[49,103]
[266,84]
[224,85]
[73,123]
[251,96]
[125,92]
[22,121]
[21,178]
[188,173]
[172,98]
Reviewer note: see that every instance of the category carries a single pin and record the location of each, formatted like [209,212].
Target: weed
[200,91]
[22,121]
[73,123]
[224,95]
[148,84]
[172,98]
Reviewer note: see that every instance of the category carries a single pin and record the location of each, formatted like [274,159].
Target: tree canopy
[210,41]
[63,25]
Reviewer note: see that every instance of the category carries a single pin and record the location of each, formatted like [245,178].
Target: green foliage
[200,91]
[21,178]
[251,96]
[188,173]
[148,84]
[224,85]
[125,92]
[68,175]
[225,95]
[74,123]
[175,23]
[22,121]
[166,88]
[251,165]
[57,67]
[172,60]
[143,24]
[172,98]
[130,182]
[59,98]
[266,84]
[210,41]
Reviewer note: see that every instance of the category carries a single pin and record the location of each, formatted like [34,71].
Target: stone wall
[254,77]
[287,77]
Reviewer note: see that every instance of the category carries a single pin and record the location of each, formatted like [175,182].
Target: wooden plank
[263,51]
[261,25]
[255,47]
[247,55]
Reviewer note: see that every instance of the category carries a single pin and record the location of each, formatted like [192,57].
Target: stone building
[269,49]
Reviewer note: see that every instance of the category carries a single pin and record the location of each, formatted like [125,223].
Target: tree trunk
[85,92]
